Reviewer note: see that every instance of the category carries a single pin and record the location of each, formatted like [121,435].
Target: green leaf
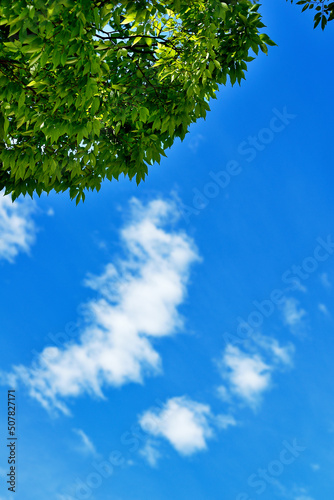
[129,19]
[136,40]
[95,105]
[143,114]
[56,59]
[21,99]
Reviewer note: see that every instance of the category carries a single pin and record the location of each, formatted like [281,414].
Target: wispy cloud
[183,422]
[17,228]
[325,280]
[50,212]
[195,142]
[279,354]
[137,301]
[323,309]
[86,446]
[225,421]
[293,315]
[301,494]
[151,452]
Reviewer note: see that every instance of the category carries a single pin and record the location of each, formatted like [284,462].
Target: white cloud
[86,445]
[137,300]
[17,228]
[248,373]
[182,422]
[292,314]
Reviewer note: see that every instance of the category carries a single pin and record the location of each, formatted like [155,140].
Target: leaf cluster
[324,11]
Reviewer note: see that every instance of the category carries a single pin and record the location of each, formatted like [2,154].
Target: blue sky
[175,340]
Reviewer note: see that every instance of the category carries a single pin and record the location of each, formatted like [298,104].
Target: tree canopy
[93,89]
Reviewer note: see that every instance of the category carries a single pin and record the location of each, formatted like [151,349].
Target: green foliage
[92,89]
[324,11]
